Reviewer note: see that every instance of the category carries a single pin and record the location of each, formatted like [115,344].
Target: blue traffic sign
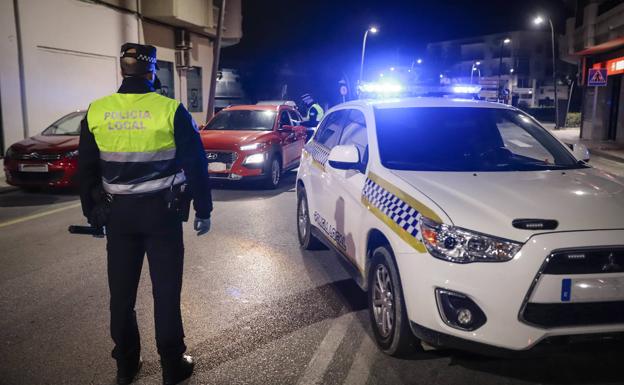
[597,77]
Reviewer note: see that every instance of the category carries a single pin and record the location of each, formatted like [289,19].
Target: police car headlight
[71,154]
[458,245]
[255,158]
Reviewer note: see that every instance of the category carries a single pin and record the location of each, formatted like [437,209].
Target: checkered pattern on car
[319,153]
[401,213]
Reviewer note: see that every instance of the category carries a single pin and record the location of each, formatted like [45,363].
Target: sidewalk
[4,187]
[603,149]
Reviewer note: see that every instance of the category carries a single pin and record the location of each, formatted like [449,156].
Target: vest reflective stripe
[145,187]
[319,112]
[138,156]
[134,133]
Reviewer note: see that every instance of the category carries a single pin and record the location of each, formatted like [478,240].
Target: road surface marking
[39,215]
[361,366]
[324,354]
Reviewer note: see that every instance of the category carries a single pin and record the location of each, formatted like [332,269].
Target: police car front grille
[551,315]
[221,156]
[585,261]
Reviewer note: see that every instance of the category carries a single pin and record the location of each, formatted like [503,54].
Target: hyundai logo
[211,155]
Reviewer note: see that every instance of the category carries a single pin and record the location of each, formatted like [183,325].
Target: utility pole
[215,64]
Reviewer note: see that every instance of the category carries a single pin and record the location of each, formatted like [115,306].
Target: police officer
[315,112]
[138,150]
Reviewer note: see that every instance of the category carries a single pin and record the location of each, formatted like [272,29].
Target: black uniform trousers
[140,224]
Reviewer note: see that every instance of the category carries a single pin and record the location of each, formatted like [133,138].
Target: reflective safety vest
[134,133]
[319,112]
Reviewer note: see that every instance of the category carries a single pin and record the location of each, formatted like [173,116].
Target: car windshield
[467,139]
[67,125]
[236,120]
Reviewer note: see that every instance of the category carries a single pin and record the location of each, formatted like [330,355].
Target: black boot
[175,371]
[128,370]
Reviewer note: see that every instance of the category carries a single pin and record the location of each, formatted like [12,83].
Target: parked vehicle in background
[254,142]
[49,159]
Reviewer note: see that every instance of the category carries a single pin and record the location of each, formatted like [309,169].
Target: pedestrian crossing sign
[597,77]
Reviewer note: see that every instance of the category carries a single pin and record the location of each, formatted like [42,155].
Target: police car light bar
[381,87]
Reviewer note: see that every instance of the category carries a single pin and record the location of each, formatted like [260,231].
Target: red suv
[250,142]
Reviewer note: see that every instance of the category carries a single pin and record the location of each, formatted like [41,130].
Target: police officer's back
[137,151]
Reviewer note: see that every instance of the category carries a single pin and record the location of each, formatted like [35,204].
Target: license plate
[25,167]
[217,167]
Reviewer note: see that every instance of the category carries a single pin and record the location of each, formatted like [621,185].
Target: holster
[178,199]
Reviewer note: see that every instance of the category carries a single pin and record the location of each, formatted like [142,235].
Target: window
[194,89]
[67,125]
[466,139]
[165,75]
[354,133]
[243,120]
[295,117]
[329,132]
[284,119]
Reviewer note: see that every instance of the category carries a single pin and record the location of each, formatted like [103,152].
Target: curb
[606,155]
[4,190]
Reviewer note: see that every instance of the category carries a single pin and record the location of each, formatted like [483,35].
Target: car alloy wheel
[302,219]
[275,172]
[383,302]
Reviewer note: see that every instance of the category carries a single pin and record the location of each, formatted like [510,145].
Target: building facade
[594,38]
[520,61]
[58,55]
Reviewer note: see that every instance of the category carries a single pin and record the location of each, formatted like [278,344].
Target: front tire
[304,226]
[386,305]
[274,173]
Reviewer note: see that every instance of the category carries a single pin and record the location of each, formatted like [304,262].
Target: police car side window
[329,132]
[354,133]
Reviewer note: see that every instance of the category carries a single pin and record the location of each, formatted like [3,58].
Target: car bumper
[503,291]
[60,174]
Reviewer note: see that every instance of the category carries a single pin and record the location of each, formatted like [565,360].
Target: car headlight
[458,245]
[71,154]
[255,158]
[10,153]
[253,146]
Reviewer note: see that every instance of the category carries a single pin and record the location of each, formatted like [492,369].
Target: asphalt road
[256,308]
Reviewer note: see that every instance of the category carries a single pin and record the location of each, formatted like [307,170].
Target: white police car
[467,223]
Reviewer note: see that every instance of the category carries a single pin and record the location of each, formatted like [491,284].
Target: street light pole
[500,64]
[539,20]
[371,30]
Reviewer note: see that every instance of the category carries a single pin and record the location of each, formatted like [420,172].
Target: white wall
[71,51]
[10,96]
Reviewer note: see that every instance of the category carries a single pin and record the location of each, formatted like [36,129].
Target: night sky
[311,45]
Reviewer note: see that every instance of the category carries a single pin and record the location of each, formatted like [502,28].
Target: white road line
[324,354]
[360,368]
[39,215]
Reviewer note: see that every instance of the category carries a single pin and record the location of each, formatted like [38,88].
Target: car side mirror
[344,157]
[580,151]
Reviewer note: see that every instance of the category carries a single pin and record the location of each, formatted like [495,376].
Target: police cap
[138,59]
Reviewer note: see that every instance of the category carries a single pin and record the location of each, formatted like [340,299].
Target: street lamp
[372,30]
[475,67]
[500,64]
[419,61]
[538,21]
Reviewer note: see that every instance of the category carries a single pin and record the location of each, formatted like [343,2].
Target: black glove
[99,215]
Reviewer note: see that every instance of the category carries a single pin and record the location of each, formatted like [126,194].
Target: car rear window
[466,139]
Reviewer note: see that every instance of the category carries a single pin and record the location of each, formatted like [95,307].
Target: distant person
[137,151]
[314,112]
